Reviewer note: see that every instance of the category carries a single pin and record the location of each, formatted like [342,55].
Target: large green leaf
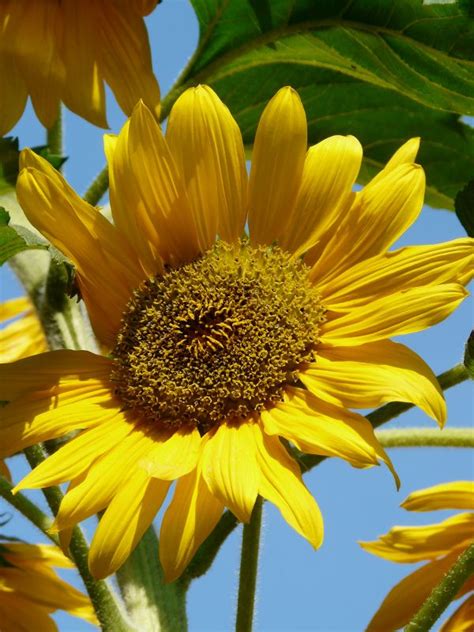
[16,239]
[383,70]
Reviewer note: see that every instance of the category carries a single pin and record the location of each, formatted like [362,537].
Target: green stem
[444,593]
[104,601]
[248,570]
[98,187]
[151,603]
[421,437]
[54,135]
[28,509]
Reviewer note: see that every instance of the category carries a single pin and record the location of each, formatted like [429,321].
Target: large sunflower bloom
[441,544]
[219,349]
[65,50]
[30,590]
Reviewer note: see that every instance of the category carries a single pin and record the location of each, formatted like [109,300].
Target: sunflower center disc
[218,338]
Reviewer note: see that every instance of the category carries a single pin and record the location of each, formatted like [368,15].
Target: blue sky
[339,586]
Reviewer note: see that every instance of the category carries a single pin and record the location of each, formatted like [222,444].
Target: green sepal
[464,206]
[469,355]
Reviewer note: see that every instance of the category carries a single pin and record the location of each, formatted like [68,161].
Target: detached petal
[230,469]
[124,522]
[403,313]
[330,170]
[282,485]
[372,374]
[106,270]
[455,495]
[277,166]
[191,516]
[207,146]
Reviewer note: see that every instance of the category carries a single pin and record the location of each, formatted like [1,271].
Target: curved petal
[406,154]
[281,484]
[413,544]
[125,520]
[277,166]
[378,216]
[317,427]
[24,337]
[106,270]
[191,516]
[330,170]
[454,495]
[72,459]
[207,146]
[13,92]
[372,374]
[406,598]
[402,313]
[93,491]
[143,155]
[462,619]
[230,469]
[414,266]
[173,456]
[124,55]
[83,88]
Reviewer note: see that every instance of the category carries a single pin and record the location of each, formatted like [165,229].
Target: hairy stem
[433,437]
[54,135]
[98,187]
[248,569]
[444,593]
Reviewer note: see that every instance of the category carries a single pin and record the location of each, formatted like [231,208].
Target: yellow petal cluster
[66,51]
[30,589]
[172,195]
[439,544]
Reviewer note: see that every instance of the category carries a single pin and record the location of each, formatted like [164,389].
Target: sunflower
[24,336]
[441,544]
[30,590]
[65,51]
[221,345]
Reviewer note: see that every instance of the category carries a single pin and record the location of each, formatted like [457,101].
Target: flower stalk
[426,437]
[54,135]
[249,569]
[444,593]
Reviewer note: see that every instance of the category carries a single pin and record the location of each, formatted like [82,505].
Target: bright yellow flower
[440,543]
[30,590]
[64,50]
[218,349]
[24,336]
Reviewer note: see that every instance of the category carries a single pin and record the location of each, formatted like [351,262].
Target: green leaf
[469,355]
[15,239]
[383,70]
[465,207]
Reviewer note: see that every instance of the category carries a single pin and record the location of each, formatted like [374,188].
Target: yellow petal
[146,164]
[330,170]
[277,166]
[93,491]
[34,617]
[124,56]
[378,216]
[23,337]
[14,307]
[106,270]
[402,313]
[4,471]
[413,544]
[47,370]
[406,154]
[414,266]
[83,88]
[77,455]
[13,91]
[24,555]
[191,516]
[455,495]
[173,456]
[281,484]
[462,619]
[207,146]
[372,374]
[125,520]
[230,469]
[317,427]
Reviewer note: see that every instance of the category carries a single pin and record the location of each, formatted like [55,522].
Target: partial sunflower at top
[223,344]
[65,50]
